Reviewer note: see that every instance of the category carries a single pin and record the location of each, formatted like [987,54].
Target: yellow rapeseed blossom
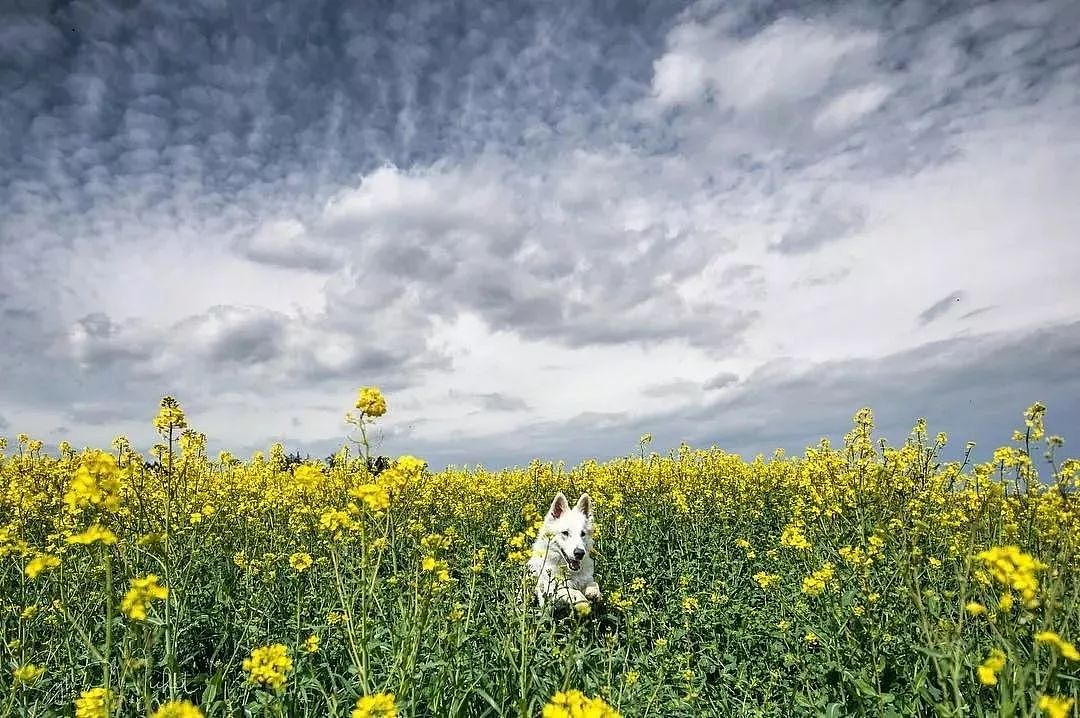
[178,709]
[379,705]
[975,608]
[300,561]
[1012,567]
[96,483]
[336,523]
[308,476]
[1055,707]
[765,579]
[170,415]
[27,673]
[311,644]
[990,667]
[816,582]
[40,563]
[140,594]
[373,495]
[94,534]
[94,703]
[575,704]
[1066,649]
[792,537]
[370,401]
[268,666]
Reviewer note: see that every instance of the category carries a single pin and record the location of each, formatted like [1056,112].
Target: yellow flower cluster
[1013,568]
[137,600]
[92,535]
[1055,706]
[96,483]
[815,583]
[990,667]
[575,704]
[792,537]
[1065,648]
[370,401]
[268,666]
[94,703]
[379,705]
[28,673]
[178,709]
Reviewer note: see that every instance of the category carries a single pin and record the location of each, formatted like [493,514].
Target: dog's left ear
[584,505]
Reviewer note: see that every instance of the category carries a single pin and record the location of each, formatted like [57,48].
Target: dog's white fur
[561,554]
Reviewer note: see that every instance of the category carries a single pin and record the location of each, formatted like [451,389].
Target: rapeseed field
[855,580]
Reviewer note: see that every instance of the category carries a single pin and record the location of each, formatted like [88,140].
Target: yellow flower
[792,537]
[380,705]
[1065,648]
[138,598]
[815,583]
[28,673]
[300,561]
[96,483]
[370,401]
[336,522]
[170,415]
[990,667]
[975,608]
[268,666]
[631,678]
[311,643]
[1013,568]
[92,535]
[1055,707]
[178,709]
[575,704]
[373,495]
[94,703]
[40,563]
[308,476]
[764,579]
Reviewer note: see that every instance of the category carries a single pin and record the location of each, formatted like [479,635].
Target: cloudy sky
[542,228]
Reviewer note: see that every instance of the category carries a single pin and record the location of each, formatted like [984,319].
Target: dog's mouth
[573,563]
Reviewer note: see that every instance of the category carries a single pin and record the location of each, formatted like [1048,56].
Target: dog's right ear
[558,506]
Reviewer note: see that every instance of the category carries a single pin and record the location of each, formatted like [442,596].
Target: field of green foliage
[855,580]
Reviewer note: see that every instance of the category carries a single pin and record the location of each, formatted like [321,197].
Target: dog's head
[570,530]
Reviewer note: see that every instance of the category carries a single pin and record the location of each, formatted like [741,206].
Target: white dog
[560,555]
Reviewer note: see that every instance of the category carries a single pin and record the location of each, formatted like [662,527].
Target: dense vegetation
[854,580]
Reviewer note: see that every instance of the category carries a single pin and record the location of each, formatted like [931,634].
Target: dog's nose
[579,553]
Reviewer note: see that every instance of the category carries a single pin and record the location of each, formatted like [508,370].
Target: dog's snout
[579,553]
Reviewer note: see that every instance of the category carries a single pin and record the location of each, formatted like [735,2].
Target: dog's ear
[558,506]
[584,505]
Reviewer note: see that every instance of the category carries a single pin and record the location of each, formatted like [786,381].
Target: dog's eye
[583,533]
[565,533]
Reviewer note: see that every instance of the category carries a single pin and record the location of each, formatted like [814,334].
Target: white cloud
[788,61]
[851,106]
